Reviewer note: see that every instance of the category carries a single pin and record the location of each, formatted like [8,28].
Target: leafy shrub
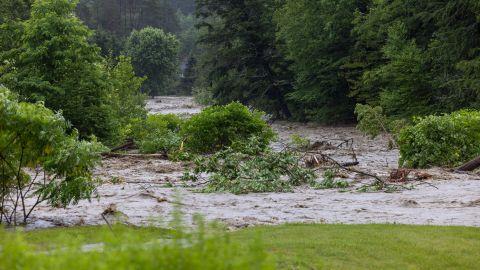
[207,247]
[372,122]
[250,167]
[218,127]
[157,133]
[329,181]
[299,142]
[202,95]
[126,102]
[446,140]
[39,160]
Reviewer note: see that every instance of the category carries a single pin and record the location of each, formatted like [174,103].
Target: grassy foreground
[371,246]
[332,246]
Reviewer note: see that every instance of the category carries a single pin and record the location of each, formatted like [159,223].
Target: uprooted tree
[39,161]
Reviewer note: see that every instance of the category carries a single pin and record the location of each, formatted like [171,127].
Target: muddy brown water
[140,189]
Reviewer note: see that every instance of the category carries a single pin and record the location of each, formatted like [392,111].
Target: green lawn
[371,246]
[337,246]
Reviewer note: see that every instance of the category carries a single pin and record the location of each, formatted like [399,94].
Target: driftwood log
[139,156]
[470,166]
[129,144]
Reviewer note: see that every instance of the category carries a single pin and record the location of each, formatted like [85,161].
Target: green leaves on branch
[372,122]
[250,167]
[39,161]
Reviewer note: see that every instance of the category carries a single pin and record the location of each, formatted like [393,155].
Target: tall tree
[241,59]
[58,65]
[154,54]
[12,13]
[318,41]
[418,57]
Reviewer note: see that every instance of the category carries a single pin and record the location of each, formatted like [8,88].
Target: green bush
[372,122]
[250,167]
[157,133]
[446,140]
[218,127]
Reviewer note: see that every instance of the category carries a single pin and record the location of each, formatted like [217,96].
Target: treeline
[48,55]
[314,60]
[115,21]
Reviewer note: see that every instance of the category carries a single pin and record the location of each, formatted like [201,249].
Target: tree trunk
[470,166]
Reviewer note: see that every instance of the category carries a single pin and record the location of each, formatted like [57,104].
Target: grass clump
[217,127]
[445,140]
[249,167]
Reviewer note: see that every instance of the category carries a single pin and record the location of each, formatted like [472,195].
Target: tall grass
[205,247]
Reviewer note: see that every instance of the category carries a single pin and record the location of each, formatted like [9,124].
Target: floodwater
[145,191]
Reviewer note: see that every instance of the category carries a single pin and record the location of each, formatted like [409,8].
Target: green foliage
[114,20]
[34,139]
[446,140]
[126,102]
[250,167]
[157,133]
[154,54]
[299,142]
[317,40]
[329,181]
[207,247]
[371,120]
[202,96]
[218,127]
[414,57]
[240,59]
[56,64]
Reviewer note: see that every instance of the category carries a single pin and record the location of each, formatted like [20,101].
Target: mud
[144,192]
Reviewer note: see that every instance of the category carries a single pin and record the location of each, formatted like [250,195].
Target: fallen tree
[470,166]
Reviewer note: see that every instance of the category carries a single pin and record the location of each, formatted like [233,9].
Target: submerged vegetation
[251,167]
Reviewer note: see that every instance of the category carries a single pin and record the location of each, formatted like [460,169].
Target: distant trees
[318,41]
[154,54]
[114,20]
[185,6]
[409,57]
[415,56]
[57,64]
[12,12]
[241,60]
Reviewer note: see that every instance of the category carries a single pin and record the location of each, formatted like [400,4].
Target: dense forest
[300,60]
[314,60]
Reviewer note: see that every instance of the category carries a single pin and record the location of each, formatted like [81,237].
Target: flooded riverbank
[144,191]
